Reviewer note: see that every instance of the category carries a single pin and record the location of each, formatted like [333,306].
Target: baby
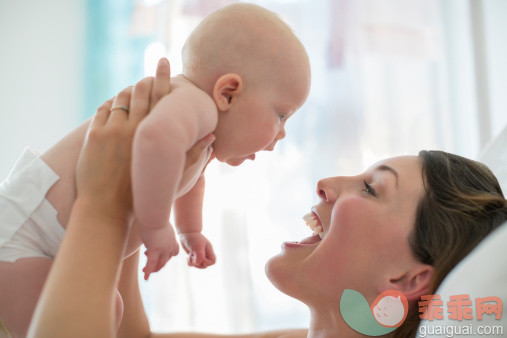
[244,74]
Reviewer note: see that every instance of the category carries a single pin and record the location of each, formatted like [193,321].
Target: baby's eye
[282,116]
[369,189]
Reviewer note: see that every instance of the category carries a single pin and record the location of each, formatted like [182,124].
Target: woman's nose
[326,189]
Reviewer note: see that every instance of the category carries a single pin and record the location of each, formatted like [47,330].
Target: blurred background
[389,77]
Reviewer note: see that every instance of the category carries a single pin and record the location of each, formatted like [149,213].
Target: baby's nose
[271,146]
[281,134]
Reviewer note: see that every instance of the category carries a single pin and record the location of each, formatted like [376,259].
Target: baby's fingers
[162,261]
[210,254]
[151,264]
[198,257]
[209,258]
[194,153]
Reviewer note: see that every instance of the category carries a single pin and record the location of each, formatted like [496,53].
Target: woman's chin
[286,279]
[273,270]
[289,274]
[281,274]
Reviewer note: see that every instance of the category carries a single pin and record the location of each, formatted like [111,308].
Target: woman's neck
[327,322]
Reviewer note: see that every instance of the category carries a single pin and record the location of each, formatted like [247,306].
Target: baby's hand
[161,245]
[199,248]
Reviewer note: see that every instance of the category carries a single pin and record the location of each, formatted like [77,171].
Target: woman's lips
[312,220]
[308,241]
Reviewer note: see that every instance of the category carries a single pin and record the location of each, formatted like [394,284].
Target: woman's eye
[369,189]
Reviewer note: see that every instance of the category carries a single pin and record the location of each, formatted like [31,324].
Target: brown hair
[462,205]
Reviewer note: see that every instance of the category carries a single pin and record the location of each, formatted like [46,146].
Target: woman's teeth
[313,222]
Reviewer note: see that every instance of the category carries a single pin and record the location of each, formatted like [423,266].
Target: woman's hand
[83,278]
[103,170]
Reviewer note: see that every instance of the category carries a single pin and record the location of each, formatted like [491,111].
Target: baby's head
[257,72]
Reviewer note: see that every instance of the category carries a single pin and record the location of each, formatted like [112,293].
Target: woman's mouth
[310,240]
[313,222]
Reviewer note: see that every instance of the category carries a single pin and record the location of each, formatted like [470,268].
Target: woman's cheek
[351,233]
[349,218]
[327,267]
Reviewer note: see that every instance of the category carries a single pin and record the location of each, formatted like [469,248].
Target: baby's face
[256,119]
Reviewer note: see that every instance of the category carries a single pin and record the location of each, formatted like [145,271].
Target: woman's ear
[414,283]
[226,90]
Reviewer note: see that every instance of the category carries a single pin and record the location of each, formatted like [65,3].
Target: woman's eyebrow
[393,171]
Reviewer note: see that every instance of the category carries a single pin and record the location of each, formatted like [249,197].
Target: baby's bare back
[62,159]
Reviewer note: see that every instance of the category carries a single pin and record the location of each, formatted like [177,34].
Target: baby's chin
[235,161]
[230,161]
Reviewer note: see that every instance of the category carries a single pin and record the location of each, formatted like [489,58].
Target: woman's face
[366,229]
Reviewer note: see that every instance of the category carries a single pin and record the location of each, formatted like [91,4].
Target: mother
[403,225]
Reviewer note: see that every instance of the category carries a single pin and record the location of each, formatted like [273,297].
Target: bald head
[245,39]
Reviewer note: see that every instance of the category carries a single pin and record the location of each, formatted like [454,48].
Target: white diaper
[28,223]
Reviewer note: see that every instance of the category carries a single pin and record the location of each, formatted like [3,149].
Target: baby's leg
[20,286]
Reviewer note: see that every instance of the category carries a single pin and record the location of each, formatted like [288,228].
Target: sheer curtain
[111,54]
[379,89]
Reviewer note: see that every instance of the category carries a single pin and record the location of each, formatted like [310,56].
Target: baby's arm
[188,216]
[175,124]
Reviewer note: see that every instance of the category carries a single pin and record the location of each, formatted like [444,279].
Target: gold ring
[120,107]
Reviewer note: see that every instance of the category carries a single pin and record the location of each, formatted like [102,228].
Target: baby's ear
[226,89]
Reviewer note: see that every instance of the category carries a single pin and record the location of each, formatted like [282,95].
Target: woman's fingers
[134,103]
[102,113]
[194,153]
[121,104]
[140,101]
[162,82]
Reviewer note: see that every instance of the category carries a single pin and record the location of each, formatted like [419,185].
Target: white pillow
[494,156]
[483,273]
